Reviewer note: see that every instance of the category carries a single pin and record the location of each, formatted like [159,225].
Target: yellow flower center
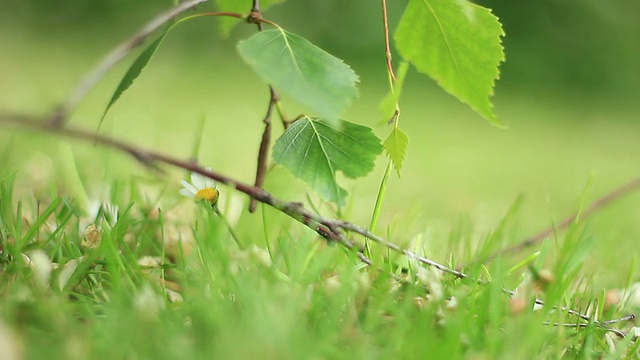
[208,194]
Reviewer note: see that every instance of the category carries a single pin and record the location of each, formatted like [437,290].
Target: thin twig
[602,324]
[617,332]
[263,152]
[350,245]
[330,229]
[387,46]
[256,14]
[96,74]
[575,325]
[563,308]
[605,200]
[369,235]
[622,319]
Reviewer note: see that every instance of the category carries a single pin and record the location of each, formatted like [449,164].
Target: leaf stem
[387,46]
[377,207]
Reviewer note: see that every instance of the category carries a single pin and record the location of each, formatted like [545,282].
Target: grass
[171,283]
[166,279]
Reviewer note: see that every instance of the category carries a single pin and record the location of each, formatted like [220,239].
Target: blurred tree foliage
[590,45]
[587,46]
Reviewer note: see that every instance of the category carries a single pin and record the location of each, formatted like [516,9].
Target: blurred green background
[568,93]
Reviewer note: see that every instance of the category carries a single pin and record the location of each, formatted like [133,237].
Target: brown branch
[330,229]
[150,158]
[96,74]
[263,152]
[605,200]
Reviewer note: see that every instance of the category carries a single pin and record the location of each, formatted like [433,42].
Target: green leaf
[134,71]
[396,147]
[239,6]
[314,150]
[388,103]
[301,70]
[457,44]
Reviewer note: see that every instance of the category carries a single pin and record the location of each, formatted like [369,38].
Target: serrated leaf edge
[401,144]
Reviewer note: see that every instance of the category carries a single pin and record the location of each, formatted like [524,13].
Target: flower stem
[235,236]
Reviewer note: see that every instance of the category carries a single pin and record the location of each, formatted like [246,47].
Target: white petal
[210,183]
[198,180]
[189,187]
[187,193]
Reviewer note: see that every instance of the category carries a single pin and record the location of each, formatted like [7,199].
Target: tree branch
[605,200]
[263,152]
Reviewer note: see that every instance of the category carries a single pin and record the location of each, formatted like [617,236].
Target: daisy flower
[201,188]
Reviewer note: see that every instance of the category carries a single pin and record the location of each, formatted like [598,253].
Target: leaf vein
[445,38]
